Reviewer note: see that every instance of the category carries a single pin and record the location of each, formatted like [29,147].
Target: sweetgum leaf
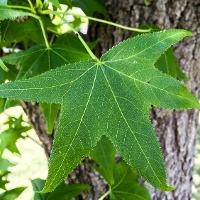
[111,97]
[8,13]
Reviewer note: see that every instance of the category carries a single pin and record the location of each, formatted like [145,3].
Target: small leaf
[113,98]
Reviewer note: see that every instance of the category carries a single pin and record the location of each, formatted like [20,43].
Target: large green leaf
[62,192]
[111,97]
[8,13]
[122,179]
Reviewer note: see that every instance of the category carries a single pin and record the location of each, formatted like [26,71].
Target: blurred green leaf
[28,30]
[62,192]
[121,178]
[3,66]
[9,137]
[3,2]
[126,185]
[168,64]
[104,155]
[8,13]
[89,7]
[50,113]
[4,165]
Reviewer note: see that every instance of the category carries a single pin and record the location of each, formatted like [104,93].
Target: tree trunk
[176,129]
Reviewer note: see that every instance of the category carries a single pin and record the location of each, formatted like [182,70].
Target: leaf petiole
[86,46]
[31,6]
[105,195]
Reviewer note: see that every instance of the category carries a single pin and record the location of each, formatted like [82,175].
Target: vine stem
[98,20]
[19,7]
[44,33]
[104,195]
[86,47]
[31,6]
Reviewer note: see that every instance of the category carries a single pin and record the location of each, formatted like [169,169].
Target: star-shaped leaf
[111,97]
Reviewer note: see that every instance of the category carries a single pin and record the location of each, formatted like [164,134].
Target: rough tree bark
[176,129]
